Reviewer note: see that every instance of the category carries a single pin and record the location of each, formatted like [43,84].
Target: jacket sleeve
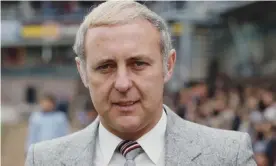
[245,156]
[30,157]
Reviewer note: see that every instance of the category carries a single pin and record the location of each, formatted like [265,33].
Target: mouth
[126,105]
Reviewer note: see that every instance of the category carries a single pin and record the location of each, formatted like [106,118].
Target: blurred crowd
[246,108]
[240,107]
[71,11]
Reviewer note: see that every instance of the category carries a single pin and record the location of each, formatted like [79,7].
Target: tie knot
[129,147]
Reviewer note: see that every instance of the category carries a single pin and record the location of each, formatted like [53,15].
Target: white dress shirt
[152,142]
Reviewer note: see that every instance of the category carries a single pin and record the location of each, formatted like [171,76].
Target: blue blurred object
[45,126]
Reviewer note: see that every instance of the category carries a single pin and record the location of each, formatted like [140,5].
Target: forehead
[137,34]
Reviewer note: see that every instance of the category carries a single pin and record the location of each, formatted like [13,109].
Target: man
[47,123]
[124,58]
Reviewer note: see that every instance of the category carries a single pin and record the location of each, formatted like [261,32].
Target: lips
[128,103]
[126,106]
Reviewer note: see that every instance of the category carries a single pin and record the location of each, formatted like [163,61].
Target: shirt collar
[152,142]
[108,143]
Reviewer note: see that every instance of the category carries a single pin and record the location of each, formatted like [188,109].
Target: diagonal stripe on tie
[130,150]
[126,146]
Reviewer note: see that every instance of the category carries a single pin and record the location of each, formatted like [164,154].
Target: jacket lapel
[81,152]
[182,144]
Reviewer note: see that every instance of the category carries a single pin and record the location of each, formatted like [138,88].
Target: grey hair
[121,12]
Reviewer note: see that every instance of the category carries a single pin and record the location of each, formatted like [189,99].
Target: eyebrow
[105,60]
[140,57]
[131,58]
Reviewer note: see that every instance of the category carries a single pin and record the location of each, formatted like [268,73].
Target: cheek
[99,89]
[151,85]
[96,83]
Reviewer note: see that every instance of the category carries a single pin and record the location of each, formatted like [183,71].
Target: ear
[82,71]
[170,65]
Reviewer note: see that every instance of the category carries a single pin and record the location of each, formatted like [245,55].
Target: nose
[122,83]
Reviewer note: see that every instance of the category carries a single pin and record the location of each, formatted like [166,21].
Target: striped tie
[130,150]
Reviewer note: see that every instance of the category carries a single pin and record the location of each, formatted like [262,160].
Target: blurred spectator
[269,99]
[261,159]
[46,123]
[63,106]
[271,147]
[31,94]
[88,115]
[48,10]
[91,112]
[248,108]
[183,103]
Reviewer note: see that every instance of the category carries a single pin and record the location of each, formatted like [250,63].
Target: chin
[129,125]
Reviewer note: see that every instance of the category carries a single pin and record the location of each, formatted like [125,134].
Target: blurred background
[224,78]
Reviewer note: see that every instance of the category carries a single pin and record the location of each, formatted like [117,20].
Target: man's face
[124,74]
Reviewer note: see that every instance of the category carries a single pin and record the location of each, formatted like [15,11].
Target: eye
[139,65]
[106,68]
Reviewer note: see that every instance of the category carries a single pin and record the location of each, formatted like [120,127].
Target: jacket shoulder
[232,146]
[194,130]
[52,151]
[215,135]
